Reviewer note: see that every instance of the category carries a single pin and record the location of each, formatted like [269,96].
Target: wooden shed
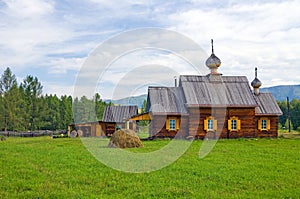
[120,116]
[114,116]
[92,129]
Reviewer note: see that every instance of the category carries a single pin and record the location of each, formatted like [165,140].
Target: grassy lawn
[63,168]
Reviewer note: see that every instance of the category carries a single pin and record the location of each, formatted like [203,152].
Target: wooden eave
[143,116]
[89,123]
[219,106]
[170,113]
[261,114]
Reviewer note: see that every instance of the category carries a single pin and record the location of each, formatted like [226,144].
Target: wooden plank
[144,116]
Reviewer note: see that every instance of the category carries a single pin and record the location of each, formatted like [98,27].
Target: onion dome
[213,62]
[256,83]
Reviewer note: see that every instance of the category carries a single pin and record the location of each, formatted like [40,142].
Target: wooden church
[211,106]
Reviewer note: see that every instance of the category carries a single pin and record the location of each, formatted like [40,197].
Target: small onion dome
[256,83]
[213,61]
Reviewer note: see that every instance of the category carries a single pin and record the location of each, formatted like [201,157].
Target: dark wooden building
[114,117]
[120,117]
[212,106]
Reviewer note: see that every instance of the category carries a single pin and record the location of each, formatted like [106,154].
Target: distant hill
[281,92]
[133,100]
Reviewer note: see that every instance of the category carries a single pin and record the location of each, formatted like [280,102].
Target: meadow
[63,168]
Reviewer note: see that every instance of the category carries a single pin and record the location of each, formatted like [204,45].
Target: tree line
[294,114]
[23,107]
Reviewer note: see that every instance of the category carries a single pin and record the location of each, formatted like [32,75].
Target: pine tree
[32,90]
[99,106]
[8,82]
[1,113]
[14,106]
[65,111]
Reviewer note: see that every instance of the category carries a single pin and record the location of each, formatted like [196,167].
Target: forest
[24,107]
[293,114]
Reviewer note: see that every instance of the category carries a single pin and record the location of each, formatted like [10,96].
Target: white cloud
[28,8]
[28,33]
[58,89]
[63,65]
[248,35]
[55,36]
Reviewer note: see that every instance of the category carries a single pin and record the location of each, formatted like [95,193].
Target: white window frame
[264,124]
[172,124]
[210,124]
[234,125]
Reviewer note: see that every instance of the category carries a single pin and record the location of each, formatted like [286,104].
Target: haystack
[125,138]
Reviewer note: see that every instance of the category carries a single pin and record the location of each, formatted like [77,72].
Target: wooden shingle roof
[199,91]
[166,100]
[266,105]
[119,114]
[231,91]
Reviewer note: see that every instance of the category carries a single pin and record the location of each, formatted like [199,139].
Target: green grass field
[63,168]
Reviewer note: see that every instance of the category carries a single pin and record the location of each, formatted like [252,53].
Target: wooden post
[127,124]
[289,116]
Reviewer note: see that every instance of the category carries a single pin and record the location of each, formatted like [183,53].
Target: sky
[53,39]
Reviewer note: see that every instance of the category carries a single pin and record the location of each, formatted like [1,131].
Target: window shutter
[268,124]
[238,124]
[177,124]
[229,124]
[215,125]
[168,124]
[205,125]
[259,124]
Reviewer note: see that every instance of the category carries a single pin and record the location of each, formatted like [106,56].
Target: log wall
[97,129]
[193,125]
[273,132]
[157,127]
[222,115]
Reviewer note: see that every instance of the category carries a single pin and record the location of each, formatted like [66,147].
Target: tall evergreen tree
[54,112]
[32,90]
[1,113]
[7,83]
[65,111]
[15,105]
[99,106]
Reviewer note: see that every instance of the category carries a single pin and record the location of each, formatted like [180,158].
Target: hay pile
[125,138]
